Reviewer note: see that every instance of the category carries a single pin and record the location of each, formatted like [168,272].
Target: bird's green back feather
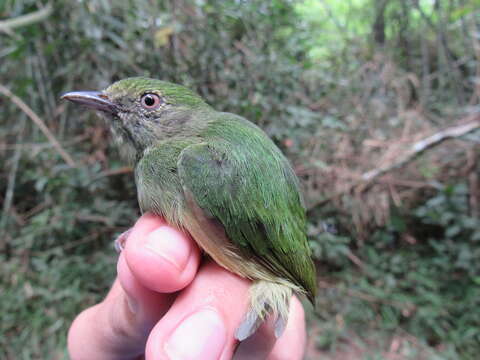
[241,178]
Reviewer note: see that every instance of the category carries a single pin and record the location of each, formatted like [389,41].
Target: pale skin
[169,303]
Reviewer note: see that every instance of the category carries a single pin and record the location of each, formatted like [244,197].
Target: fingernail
[170,245]
[201,335]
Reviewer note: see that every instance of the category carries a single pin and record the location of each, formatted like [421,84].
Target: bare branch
[8,202]
[117,171]
[421,146]
[39,122]
[415,150]
[24,20]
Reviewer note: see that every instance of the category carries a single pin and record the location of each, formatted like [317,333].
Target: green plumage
[222,179]
[256,196]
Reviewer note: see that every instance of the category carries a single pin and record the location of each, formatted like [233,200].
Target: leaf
[162,36]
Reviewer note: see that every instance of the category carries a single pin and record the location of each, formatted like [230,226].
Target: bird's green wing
[249,187]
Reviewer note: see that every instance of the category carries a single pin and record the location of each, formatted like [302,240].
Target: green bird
[219,177]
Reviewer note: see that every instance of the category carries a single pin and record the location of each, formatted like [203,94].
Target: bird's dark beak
[92,99]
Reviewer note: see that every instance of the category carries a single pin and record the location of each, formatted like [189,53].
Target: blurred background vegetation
[376,103]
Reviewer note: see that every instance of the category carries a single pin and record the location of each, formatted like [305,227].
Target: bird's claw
[120,241]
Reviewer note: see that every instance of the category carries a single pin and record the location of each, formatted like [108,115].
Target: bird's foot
[252,321]
[120,241]
[266,299]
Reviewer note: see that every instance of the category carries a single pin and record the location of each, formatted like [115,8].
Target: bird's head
[143,111]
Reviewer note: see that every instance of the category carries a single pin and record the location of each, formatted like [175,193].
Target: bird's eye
[151,101]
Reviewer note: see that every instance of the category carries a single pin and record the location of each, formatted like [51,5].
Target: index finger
[118,327]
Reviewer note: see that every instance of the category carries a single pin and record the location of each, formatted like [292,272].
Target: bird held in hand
[219,177]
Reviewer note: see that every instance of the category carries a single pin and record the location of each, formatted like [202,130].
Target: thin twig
[94,218]
[39,122]
[19,219]
[43,145]
[473,183]
[36,209]
[117,171]
[418,148]
[24,20]
[356,260]
[84,240]
[11,181]
[421,146]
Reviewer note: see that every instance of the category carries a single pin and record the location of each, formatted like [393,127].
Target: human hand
[164,304]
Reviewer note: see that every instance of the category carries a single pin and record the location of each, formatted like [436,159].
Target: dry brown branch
[23,20]
[118,171]
[356,260]
[11,180]
[406,183]
[473,182]
[36,209]
[39,122]
[19,219]
[94,218]
[419,147]
[43,145]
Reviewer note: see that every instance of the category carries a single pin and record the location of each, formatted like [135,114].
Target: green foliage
[428,287]
[41,297]
[340,86]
